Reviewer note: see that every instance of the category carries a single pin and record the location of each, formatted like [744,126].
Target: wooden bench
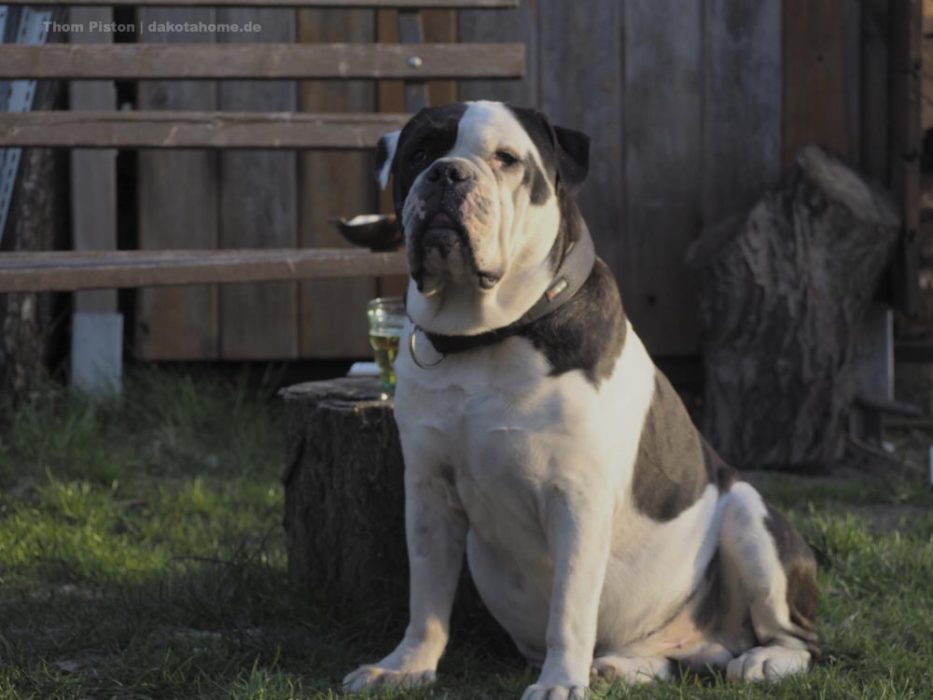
[411,61]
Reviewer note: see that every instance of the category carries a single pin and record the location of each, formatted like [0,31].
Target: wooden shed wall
[694,108]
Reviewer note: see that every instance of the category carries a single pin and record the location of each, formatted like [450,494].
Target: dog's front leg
[578,523]
[435,531]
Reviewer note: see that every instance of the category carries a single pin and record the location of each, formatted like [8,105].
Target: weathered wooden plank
[68,270]
[332,317]
[441,26]
[436,26]
[814,77]
[169,128]
[411,31]
[926,89]
[875,85]
[258,204]
[334,4]
[390,94]
[178,204]
[906,146]
[580,75]
[852,69]
[742,66]
[96,356]
[662,141]
[520,25]
[266,61]
[93,172]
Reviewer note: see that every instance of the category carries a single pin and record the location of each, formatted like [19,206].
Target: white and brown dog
[601,530]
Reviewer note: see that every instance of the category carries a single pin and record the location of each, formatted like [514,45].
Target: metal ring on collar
[414,353]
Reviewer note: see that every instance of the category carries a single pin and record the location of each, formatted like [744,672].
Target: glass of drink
[386,322]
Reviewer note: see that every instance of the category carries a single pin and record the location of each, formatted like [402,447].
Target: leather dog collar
[570,276]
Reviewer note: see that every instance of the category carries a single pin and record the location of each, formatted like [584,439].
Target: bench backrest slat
[263,61]
[318,4]
[68,271]
[169,129]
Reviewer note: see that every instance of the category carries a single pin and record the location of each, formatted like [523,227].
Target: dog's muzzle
[442,243]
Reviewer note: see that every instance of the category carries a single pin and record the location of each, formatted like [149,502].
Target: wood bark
[784,291]
[344,494]
[345,508]
[37,221]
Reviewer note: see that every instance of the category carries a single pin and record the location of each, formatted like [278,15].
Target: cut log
[784,290]
[345,508]
[344,494]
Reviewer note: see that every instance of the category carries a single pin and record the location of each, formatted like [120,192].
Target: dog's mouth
[443,250]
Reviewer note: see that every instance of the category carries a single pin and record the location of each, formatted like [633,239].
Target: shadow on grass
[141,556]
[198,629]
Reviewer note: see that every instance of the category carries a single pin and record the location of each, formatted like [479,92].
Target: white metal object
[97,360]
[33,29]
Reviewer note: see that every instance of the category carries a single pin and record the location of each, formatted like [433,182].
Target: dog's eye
[418,156]
[506,159]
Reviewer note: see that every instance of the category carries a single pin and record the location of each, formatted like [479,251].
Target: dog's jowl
[543,447]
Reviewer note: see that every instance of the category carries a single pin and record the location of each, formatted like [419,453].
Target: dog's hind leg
[770,575]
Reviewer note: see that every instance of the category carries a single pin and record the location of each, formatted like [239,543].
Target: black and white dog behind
[601,530]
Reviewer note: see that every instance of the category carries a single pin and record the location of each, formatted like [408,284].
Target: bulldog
[540,441]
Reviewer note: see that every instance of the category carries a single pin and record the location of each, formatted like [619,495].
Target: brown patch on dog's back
[674,464]
[800,568]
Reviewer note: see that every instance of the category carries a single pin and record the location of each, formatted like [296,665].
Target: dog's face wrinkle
[535,180]
[448,201]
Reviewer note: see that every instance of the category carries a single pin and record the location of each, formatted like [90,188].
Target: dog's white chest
[508,432]
[503,429]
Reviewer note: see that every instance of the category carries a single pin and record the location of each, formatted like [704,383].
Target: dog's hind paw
[768,664]
[555,692]
[371,676]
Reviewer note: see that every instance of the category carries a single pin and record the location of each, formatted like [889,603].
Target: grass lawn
[142,556]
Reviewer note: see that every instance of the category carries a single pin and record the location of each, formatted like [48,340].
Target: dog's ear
[573,157]
[385,156]
[570,149]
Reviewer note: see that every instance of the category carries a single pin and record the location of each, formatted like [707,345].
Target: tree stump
[345,507]
[344,494]
[784,291]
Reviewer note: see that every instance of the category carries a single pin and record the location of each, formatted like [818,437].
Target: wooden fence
[694,108]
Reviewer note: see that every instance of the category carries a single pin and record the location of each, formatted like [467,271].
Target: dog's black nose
[450,170]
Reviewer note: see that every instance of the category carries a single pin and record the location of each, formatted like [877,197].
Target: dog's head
[484,194]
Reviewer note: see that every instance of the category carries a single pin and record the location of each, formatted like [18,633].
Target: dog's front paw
[539,691]
[372,676]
